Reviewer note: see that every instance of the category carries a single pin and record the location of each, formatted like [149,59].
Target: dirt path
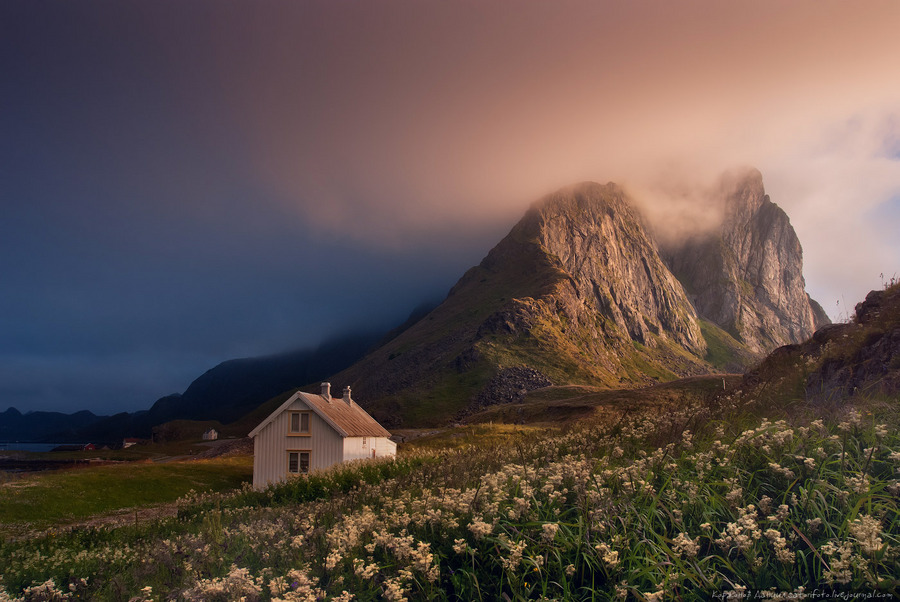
[119,518]
[127,516]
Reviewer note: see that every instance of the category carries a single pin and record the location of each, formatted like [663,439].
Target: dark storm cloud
[409,115]
[185,182]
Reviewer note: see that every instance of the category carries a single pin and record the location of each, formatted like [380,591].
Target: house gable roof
[348,419]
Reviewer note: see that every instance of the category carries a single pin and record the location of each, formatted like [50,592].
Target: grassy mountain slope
[567,405]
[576,291]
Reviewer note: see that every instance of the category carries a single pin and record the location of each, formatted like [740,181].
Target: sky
[185,182]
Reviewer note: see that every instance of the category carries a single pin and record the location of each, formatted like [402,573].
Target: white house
[211,435]
[311,432]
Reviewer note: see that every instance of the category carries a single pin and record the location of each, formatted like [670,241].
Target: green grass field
[54,498]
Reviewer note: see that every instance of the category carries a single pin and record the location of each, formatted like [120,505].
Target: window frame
[300,419]
[299,467]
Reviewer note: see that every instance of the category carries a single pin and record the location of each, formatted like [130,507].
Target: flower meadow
[678,506]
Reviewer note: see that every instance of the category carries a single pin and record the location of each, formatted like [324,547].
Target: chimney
[326,391]
[347,395]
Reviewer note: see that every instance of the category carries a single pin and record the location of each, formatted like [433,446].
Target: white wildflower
[609,556]
[782,552]
[516,551]
[840,563]
[549,533]
[686,546]
[334,557]
[813,524]
[656,596]
[480,528]
[866,529]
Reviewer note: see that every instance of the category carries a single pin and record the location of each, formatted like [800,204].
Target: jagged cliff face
[613,266]
[746,275]
[599,307]
[579,293]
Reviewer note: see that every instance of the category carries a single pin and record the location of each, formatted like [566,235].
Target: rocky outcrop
[839,362]
[510,385]
[864,357]
[613,266]
[746,275]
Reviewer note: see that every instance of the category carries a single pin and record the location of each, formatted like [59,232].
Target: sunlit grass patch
[57,497]
[472,435]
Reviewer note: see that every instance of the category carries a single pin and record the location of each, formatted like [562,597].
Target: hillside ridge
[840,361]
[580,292]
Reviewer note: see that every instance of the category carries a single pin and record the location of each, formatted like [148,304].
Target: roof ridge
[349,420]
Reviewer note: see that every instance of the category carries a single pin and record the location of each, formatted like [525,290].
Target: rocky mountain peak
[600,241]
[742,193]
[746,275]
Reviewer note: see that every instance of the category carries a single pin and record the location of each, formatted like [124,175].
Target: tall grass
[642,510]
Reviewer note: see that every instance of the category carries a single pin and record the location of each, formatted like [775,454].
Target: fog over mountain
[581,292]
[184,183]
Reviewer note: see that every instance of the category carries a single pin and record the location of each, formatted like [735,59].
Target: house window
[364,441]
[300,423]
[298,462]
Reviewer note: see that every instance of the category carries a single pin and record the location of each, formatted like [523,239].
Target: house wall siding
[272,443]
[385,447]
[355,449]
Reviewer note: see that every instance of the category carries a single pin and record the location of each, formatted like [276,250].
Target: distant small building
[312,432]
[89,447]
[130,441]
[210,435]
